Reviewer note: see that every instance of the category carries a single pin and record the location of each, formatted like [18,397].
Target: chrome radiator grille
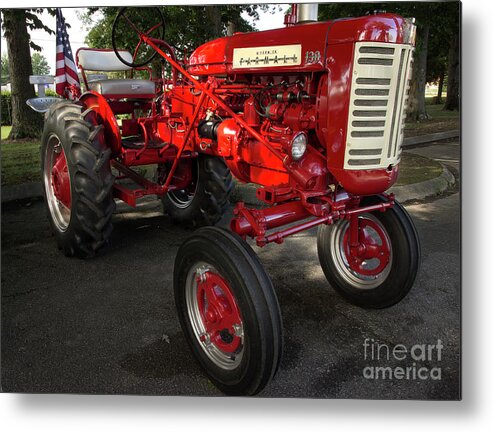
[379,93]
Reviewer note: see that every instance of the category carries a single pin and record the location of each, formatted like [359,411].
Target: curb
[411,141]
[22,191]
[247,192]
[426,189]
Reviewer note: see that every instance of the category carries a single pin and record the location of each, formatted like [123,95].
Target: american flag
[66,71]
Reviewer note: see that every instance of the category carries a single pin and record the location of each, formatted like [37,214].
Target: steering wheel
[129,28]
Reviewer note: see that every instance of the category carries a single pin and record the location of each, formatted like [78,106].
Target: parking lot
[108,325]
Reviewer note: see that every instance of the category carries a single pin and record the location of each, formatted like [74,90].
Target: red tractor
[312,113]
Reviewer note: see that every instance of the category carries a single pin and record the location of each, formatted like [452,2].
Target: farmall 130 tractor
[312,113]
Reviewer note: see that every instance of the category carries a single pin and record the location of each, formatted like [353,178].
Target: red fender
[107,118]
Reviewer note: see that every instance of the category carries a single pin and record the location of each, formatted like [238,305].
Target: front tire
[228,311]
[77,179]
[377,282]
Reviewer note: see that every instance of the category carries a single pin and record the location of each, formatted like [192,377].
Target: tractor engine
[328,96]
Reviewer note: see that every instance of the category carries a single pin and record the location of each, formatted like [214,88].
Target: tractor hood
[297,49]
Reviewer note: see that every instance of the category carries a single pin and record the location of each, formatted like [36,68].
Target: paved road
[108,325]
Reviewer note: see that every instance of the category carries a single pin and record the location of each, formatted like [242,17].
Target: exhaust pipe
[307,12]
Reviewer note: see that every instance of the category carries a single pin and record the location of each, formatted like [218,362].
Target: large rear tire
[383,280]
[228,311]
[206,198]
[77,179]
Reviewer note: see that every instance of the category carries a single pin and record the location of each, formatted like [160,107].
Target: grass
[439,121]
[20,160]
[415,169]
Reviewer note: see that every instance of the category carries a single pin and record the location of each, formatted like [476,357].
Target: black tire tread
[231,238]
[91,179]
[388,293]
[265,302]
[212,195]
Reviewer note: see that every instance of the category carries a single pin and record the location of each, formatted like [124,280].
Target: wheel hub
[371,254]
[60,179]
[219,312]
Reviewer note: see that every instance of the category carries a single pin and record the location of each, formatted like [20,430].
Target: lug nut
[238,330]
[206,338]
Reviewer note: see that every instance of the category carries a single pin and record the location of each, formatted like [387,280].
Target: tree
[453,85]
[186,26]
[434,22]
[5,69]
[421,60]
[437,60]
[25,122]
[453,71]
[443,53]
[40,64]
[437,67]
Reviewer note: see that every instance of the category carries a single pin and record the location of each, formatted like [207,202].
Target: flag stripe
[66,70]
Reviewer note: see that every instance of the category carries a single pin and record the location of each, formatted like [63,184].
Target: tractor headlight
[409,31]
[298,145]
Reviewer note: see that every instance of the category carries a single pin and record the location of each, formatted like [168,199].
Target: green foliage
[442,17]
[437,14]
[186,26]
[51,93]
[6,108]
[5,69]
[33,22]
[40,64]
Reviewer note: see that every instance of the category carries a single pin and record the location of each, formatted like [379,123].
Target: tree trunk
[412,103]
[231,28]
[453,85]
[25,121]
[214,18]
[441,78]
[420,112]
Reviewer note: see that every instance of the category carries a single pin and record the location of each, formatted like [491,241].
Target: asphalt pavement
[108,325]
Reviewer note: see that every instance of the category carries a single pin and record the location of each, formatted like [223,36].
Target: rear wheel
[206,198]
[77,179]
[228,311]
[381,269]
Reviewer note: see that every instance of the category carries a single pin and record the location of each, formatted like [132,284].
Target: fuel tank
[302,48]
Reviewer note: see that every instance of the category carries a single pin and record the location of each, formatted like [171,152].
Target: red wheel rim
[219,312]
[56,179]
[372,254]
[60,179]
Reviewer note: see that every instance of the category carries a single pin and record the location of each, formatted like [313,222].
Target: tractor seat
[124,88]
[103,60]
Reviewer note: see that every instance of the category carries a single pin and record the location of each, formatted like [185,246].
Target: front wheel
[381,269]
[228,311]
